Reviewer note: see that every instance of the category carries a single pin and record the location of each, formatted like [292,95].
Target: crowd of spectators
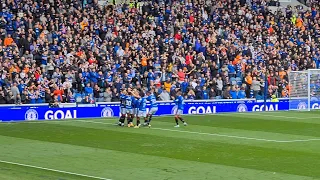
[79,51]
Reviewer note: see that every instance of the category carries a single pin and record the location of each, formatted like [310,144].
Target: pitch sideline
[53,170]
[174,130]
[210,134]
[276,116]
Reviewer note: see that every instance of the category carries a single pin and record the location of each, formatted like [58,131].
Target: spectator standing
[226,93]
[212,93]
[2,98]
[86,100]
[88,90]
[164,95]
[242,93]
[256,86]
[234,92]
[191,95]
[107,95]
[219,85]
[115,96]
[10,98]
[15,90]
[70,98]
[96,93]
[205,93]
[18,100]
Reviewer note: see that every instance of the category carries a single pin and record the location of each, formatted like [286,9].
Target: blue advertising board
[104,110]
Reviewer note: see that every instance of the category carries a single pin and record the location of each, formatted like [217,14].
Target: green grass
[13,172]
[227,146]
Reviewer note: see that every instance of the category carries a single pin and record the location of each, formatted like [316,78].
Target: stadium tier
[79,51]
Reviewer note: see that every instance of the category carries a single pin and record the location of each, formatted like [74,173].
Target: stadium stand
[80,51]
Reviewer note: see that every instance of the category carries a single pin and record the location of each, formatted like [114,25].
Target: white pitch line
[174,130]
[53,170]
[276,116]
[220,135]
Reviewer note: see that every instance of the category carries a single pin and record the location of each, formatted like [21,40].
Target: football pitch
[261,145]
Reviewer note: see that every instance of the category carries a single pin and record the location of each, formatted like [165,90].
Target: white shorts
[142,114]
[123,111]
[153,110]
[135,111]
[129,111]
[179,112]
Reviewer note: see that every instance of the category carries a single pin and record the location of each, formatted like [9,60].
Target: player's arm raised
[135,94]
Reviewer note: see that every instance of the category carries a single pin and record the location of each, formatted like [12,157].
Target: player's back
[143,104]
[123,100]
[153,100]
[136,102]
[180,102]
[128,102]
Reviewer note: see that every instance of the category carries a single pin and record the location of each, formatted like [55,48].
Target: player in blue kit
[122,107]
[132,105]
[154,107]
[179,101]
[136,104]
[142,110]
[129,108]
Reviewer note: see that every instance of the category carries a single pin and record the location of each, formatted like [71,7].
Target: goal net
[304,92]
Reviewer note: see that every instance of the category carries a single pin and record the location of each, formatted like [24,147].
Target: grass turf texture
[97,148]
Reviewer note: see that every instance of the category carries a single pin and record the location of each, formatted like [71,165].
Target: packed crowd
[78,51]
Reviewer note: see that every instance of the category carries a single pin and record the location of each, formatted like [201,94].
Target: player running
[154,107]
[142,110]
[122,107]
[179,101]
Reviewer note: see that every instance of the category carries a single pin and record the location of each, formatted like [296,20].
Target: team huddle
[133,103]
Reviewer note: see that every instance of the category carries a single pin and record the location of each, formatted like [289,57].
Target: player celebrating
[136,104]
[129,108]
[122,107]
[142,110]
[154,107]
[179,101]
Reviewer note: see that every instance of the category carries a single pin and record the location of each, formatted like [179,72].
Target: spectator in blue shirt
[205,93]
[151,76]
[93,77]
[234,92]
[242,93]
[184,85]
[88,90]
[232,69]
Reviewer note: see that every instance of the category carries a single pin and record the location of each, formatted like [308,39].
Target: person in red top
[271,30]
[189,59]
[178,36]
[58,92]
[110,20]
[92,59]
[80,52]
[37,74]
[181,75]
[191,18]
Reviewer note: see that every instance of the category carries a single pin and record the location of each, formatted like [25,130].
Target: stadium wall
[105,110]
